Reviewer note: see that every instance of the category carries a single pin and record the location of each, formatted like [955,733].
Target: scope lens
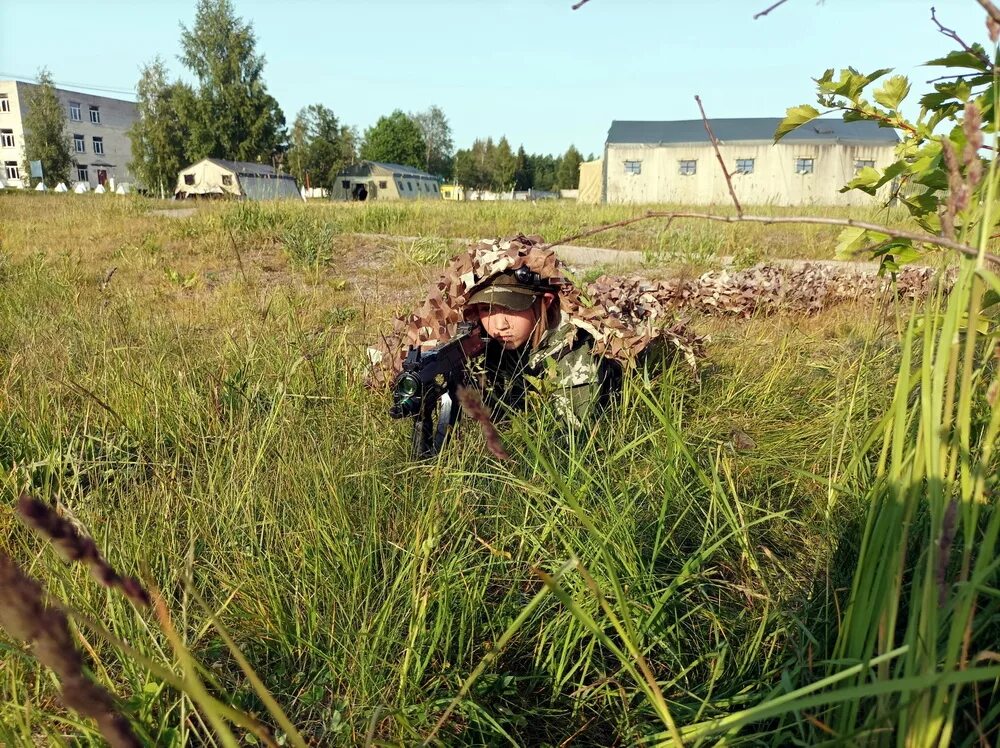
[408,387]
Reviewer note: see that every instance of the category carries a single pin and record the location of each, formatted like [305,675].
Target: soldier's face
[511,329]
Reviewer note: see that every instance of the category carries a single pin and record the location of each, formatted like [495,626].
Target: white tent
[81,187]
[41,187]
[61,187]
[99,189]
[123,189]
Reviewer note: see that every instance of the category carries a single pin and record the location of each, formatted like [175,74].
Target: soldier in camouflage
[542,336]
[533,345]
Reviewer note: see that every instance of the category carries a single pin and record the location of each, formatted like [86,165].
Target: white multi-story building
[97,127]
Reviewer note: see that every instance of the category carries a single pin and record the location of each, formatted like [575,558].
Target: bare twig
[953,35]
[580,4]
[769,9]
[916,236]
[718,155]
[239,257]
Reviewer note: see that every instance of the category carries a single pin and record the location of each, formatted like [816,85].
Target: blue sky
[533,70]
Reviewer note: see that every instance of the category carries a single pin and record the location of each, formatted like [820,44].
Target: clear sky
[533,70]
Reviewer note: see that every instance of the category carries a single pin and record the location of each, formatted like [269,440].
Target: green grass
[598,588]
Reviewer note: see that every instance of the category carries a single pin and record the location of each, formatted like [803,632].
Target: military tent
[591,181]
[216,177]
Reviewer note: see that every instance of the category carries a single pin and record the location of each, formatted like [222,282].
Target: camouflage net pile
[615,335]
[765,289]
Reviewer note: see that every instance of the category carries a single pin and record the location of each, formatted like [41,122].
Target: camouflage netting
[765,289]
[615,336]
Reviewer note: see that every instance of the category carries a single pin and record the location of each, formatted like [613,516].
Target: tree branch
[953,35]
[939,241]
[578,5]
[768,10]
[718,155]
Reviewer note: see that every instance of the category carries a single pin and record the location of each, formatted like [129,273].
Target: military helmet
[512,289]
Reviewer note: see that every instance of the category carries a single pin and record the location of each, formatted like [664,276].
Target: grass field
[190,390]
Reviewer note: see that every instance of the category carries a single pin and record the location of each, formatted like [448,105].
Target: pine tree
[319,146]
[568,174]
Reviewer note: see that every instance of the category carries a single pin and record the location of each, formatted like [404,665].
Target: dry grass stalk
[472,402]
[73,546]
[26,617]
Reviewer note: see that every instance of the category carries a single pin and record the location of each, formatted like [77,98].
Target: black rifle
[429,381]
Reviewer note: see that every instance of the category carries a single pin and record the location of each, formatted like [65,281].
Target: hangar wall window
[382,184]
[744,166]
[227,180]
[804,165]
[863,163]
[687,167]
[345,183]
[633,167]
[189,179]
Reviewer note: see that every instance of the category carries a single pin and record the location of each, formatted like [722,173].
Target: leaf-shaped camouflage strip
[808,288]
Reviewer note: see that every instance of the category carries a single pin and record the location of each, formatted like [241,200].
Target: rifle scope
[405,396]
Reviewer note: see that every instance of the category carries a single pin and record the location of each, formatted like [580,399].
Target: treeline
[494,166]
[229,114]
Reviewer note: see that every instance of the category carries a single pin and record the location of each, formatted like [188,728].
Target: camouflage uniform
[562,367]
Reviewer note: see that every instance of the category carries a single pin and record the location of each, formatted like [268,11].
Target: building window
[99,145]
[81,173]
[12,171]
[79,144]
[7,138]
[227,180]
[95,115]
[687,167]
[4,103]
[189,179]
[382,184]
[804,165]
[863,163]
[74,111]
[633,167]
[409,186]
[744,166]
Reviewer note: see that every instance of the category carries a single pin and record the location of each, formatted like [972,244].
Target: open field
[190,391]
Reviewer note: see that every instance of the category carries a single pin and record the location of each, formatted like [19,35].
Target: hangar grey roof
[743,129]
[246,168]
[364,169]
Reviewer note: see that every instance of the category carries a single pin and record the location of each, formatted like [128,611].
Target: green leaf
[866,180]
[893,91]
[851,82]
[975,59]
[795,117]
[849,242]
